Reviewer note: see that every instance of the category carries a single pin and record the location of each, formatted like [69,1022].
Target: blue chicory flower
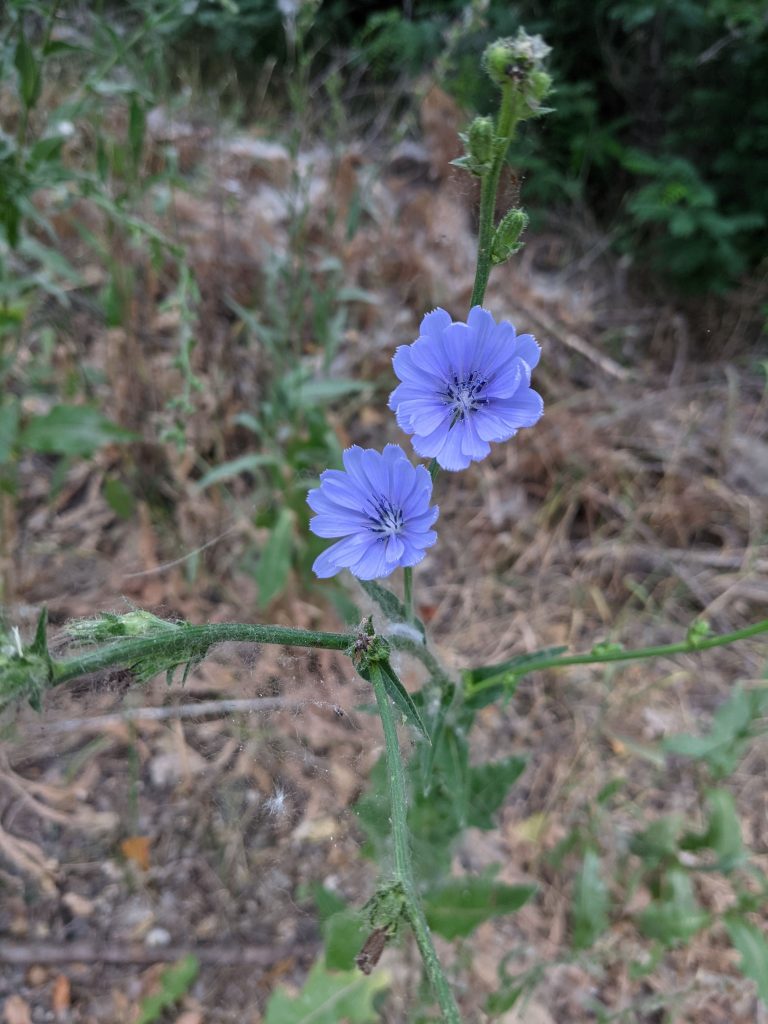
[379,504]
[464,385]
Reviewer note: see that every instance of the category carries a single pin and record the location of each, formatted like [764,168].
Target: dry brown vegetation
[638,503]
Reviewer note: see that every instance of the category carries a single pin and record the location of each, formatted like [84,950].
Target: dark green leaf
[30,81]
[488,785]
[459,906]
[39,645]
[118,497]
[658,842]
[72,430]
[275,562]
[723,832]
[344,934]
[589,909]
[751,943]
[677,916]
[326,902]
[46,150]
[401,698]
[9,428]
[136,127]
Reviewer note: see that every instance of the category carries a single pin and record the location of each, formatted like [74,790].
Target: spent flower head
[465,385]
[379,505]
[519,61]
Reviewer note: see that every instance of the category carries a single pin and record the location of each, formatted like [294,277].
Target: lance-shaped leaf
[459,906]
[398,694]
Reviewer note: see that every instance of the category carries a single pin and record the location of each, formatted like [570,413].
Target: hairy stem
[490,185]
[688,646]
[188,642]
[403,865]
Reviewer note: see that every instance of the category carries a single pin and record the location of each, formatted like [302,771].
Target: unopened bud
[479,144]
[506,240]
[480,141]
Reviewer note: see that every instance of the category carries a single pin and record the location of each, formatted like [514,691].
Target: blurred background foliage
[661,120]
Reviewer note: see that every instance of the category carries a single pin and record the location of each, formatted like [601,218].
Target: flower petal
[341,555]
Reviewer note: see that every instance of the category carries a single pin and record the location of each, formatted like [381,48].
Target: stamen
[386,518]
[465,396]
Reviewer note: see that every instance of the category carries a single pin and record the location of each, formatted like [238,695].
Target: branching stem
[688,646]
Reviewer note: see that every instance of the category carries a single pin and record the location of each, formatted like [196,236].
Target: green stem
[490,185]
[403,864]
[688,646]
[188,641]
[408,593]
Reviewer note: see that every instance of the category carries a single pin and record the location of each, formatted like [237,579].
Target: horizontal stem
[127,651]
[687,646]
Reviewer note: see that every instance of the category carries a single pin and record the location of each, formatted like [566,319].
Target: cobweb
[141,822]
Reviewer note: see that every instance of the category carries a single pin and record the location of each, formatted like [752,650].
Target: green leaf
[47,150]
[118,497]
[175,982]
[327,903]
[401,698]
[459,906]
[344,934]
[677,916]
[488,785]
[658,842]
[732,725]
[275,562]
[589,910]
[72,430]
[751,943]
[30,81]
[723,832]
[9,428]
[39,645]
[328,998]
[322,392]
[136,127]
[233,468]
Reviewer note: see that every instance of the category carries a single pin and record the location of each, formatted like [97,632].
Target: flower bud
[519,61]
[480,141]
[506,239]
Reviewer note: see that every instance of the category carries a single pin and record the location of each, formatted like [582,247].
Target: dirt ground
[131,835]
